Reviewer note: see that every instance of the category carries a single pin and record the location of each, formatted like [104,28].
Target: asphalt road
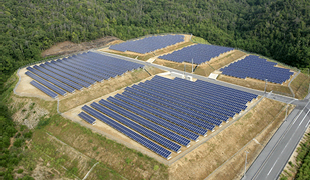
[277,97]
[271,161]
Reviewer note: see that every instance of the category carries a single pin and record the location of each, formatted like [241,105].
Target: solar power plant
[164,115]
[148,44]
[257,68]
[199,53]
[77,72]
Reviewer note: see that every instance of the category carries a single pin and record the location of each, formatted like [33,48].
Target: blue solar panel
[257,68]
[52,80]
[156,120]
[81,70]
[46,83]
[87,118]
[148,44]
[142,130]
[167,133]
[59,70]
[43,89]
[67,75]
[199,53]
[60,78]
[170,111]
[130,133]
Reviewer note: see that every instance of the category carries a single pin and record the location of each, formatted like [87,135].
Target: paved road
[277,97]
[276,153]
[271,161]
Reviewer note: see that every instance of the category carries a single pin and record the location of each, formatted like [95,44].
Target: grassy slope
[300,85]
[216,151]
[115,159]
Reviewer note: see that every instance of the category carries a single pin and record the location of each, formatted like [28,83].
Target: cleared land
[48,157]
[257,84]
[68,47]
[128,162]
[100,89]
[109,132]
[202,161]
[145,57]
[80,97]
[207,68]
[71,149]
[300,85]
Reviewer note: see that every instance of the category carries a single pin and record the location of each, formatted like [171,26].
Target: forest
[279,29]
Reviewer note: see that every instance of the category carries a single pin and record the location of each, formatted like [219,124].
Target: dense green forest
[275,28]
[279,29]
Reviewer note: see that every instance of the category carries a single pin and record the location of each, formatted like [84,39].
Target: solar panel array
[169,113]
[199,53]
[77,72]
[257,68]
[148,44]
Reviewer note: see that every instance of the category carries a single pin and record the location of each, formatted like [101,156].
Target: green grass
[199,40]
[300,85]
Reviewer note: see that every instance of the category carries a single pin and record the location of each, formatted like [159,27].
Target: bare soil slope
[68,47]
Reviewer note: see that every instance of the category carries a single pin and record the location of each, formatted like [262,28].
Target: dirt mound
[68,47]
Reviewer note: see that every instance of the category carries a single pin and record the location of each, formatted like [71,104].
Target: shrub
[20,171]
[18,142]
[128,161]
[156,167]
[28,134]
[43,122]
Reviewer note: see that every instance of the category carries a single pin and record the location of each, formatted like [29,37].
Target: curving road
[273,158]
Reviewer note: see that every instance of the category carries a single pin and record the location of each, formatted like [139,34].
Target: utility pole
[192,65]
[246,157]
[184,69]
[287,108]
[265,85]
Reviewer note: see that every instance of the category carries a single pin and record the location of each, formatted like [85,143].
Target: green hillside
[275,28]
[279,29]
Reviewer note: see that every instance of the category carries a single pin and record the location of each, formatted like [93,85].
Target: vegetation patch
[257,84]
[101,89]
[300,85]
[299,168]
[224,145]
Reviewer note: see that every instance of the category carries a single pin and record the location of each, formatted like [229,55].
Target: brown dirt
[256,84]
[106,87]
[205,159]
[115,135]
[158,52]
[207,68]
[111,154]
[68,47]
[300,85]
[27,113]
[26,89]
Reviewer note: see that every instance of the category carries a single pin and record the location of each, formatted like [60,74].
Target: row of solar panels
[148,44]
[257,68]
[77,72]
[168,113]
[199,53]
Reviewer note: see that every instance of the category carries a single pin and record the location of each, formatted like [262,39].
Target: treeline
[11,150]
[274,28]
[303,160]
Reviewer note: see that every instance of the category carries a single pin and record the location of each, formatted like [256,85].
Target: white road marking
[288,142]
